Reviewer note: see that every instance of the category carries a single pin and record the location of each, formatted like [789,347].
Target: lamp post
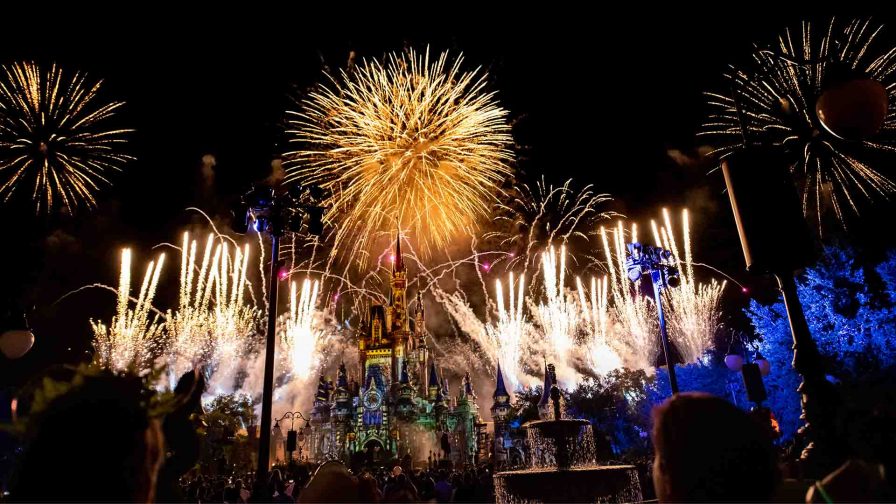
[656,261]
[295,438]
[775,240]
[275,213]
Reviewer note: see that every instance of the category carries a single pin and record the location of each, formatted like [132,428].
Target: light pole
[295,438]
[775,239]
[657,262]
[275,213]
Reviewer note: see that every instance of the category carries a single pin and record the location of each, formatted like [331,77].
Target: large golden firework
[53,139]
[409,142]
[782,101]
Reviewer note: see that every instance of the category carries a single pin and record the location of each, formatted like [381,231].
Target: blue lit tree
[852,323]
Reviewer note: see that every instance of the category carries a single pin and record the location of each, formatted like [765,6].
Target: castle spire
[468,386]
[323,390]
[501,404]
[500,388]
[433,375]
[545,405]
[342,377]
[445,390]
[398,262]
[404,379]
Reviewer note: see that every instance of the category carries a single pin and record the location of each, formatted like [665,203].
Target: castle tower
[405,406]
[501,415]
[501,399]
[397,321]
[545,406]
[399,284]
[419,316]
[466,415]
[342,400]
[467,390]
[433,386]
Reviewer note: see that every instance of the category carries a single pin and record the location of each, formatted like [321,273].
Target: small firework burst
[781,101]
[534,217]
[410,142]
[53,137]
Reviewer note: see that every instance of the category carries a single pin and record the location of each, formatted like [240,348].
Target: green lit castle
[402,406]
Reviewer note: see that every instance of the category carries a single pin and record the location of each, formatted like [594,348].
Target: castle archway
[374,451]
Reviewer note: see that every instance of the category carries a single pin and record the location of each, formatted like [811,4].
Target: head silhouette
[103,419]
[709,450]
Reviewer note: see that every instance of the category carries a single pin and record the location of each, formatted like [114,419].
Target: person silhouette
[103,418]
[708,450]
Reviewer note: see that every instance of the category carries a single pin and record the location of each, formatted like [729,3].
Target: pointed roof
[419,309]
[433,375]
[323,392]
[548,382]
[398,263]
[404,379]
[468,386]
[500,388]
[342,377]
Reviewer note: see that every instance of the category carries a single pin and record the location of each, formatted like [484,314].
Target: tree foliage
[850,312]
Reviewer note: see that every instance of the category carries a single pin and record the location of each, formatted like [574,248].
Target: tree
[852,322]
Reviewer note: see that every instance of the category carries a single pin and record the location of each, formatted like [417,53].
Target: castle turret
[433,386]
[501,399]
[405,408]
[321,410]
[467,389]
[545,406]
[445,390]
[419,315]
[398,283]
[342,399]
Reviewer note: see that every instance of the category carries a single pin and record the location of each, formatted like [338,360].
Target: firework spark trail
[635,327]
[305,335]
[411,141]
[601,354]
[557,314]
[777,98]
[131,341]
[213,323]
[693,307]
[509,333]
[234,321]
[52,137]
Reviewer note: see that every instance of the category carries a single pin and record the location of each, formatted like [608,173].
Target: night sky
[603,99]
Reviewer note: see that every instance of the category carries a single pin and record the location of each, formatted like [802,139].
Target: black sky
[599,95]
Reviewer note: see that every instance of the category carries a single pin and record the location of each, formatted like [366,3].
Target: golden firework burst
[408,142]
[53,138]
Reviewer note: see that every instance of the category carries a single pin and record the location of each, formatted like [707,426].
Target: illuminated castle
[402,406]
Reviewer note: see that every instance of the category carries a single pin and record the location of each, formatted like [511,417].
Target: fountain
[562,466]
